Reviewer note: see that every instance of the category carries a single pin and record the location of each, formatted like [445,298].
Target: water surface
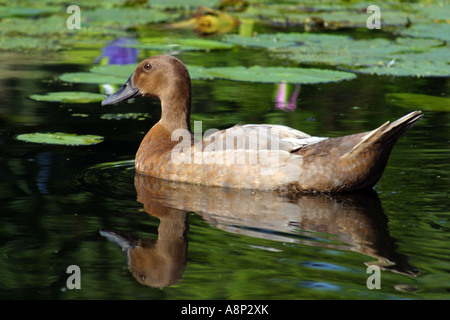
[138,238]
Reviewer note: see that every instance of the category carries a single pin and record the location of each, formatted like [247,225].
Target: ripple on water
[112,179]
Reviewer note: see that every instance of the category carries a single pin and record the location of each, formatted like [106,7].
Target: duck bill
[127,91]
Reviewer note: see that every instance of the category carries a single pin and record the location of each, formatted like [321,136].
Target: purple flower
[117,52]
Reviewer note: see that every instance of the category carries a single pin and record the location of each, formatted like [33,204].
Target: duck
[251,156]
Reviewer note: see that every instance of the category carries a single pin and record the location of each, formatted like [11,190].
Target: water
[136,238]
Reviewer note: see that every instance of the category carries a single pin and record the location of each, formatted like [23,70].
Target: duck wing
[259,137]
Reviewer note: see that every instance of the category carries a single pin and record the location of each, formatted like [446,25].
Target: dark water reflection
[353,222]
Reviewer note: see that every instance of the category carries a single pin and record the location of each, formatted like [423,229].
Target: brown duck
[263,157]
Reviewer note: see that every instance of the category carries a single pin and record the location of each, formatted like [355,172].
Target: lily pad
[184,3]
[279,74]
[122,71]
[411,56]
[60,138]
[12,11]
[91,77]
[69,97]
[32,27]
[436,12]
[433,63]
[126,17]
[438,31]
[269,41]
[419,101]
[338,14]
[110,74]
[24,43]
[165,44]
[48,33]
[125,116]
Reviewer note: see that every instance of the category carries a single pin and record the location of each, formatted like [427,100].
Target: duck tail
[388,133]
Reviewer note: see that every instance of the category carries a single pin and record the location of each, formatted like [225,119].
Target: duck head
[164,77]
[161,76]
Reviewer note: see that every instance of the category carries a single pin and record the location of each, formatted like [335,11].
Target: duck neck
[176,111]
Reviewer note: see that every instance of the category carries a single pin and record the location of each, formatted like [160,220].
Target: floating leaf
[270,41]
[10,11]
[60,138]
[438,31]
[111,74]
[419,101]
[69,97]
[23,43]
[184,3]
[279,74]
[437,12]
[333,14]
[194,44]
[91,77]
[123,71]
[47,33]
[411,56]
[81,115]
[42,26]
[431,63]
[126,17]
[127,116]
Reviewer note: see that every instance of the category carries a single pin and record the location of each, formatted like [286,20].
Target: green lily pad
[126,17]
[122,71]
[69,97]
[24,43]
[438,31]
[269,41]
[433,63]
[126,116]
[48,34]
[165,44]
[184,3]
[110,74]
[279,74]
[91,77]
[60,138]
[437,12]
[419,101]
[32,27]
[337,14]
[401,57]
[12,11]
[58,3]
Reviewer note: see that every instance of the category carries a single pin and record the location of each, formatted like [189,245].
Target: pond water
[139,238]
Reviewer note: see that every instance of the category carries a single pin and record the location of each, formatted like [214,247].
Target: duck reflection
[353,222]
[156,263]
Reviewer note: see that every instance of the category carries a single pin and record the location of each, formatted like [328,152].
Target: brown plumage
[264,157]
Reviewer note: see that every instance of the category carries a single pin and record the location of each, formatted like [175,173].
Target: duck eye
[147,66]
